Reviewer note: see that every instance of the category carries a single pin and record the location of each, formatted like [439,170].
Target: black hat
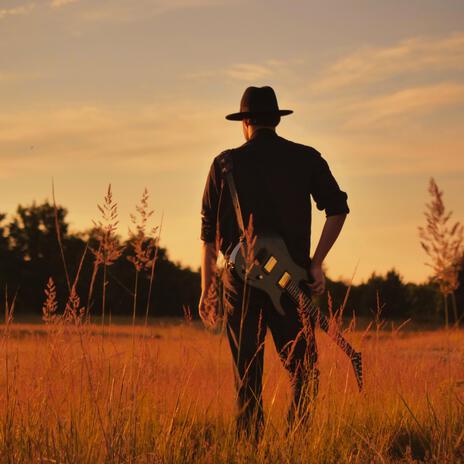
[258,101]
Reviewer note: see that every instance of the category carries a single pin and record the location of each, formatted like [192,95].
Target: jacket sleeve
[325,190]
[209,205]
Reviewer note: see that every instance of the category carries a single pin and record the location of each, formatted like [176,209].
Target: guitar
[272,270]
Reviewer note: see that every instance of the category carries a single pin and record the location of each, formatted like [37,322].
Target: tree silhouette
[32,232]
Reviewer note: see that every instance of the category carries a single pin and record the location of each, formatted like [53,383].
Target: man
[275,179]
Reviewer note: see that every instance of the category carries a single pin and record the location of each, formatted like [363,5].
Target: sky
[134,94]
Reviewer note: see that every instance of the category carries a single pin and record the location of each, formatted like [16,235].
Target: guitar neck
[301,299]
[305,303]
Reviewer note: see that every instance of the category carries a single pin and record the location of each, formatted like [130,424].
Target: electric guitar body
[270,268]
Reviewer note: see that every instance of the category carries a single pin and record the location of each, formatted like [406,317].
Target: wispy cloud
[248,72]
[411,101]
[160,138]
[14,77]
[373,64]
[60,3]
[123,11]
[16,11]
[420,78]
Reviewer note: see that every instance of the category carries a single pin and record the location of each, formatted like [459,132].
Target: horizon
[136,96]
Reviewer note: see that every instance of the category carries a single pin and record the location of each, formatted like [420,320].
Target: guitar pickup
[270,264]
[284,280]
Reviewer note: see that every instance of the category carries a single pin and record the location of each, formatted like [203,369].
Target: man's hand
[207,307]
[318,284]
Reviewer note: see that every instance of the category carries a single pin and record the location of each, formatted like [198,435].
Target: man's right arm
[208,276]
[209,214]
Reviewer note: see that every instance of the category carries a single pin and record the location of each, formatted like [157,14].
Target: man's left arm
[330,198]
[332,227]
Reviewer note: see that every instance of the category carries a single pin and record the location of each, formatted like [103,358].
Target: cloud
[123,11]
[248,72]
[60,3]
[411,101]
[14,77]
[421,81]
[369,65]
[157,138]
[16,11]
[241,72]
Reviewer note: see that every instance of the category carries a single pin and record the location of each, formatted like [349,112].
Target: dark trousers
[250,313]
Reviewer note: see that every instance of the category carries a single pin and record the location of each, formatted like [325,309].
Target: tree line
[30,254]
[391,298]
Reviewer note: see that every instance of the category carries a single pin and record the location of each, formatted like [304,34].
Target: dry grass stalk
[9,308]
[305,318]
[59,238]
[443,243]
[105,229]
[188,316]
[73,311]
[50,306]
[109,247]
[248,250]
[216,304]
[144,246]
[249,242]
[211,318]
[152,270]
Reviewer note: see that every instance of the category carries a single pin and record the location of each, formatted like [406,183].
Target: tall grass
[444,244]
[76,392]
[64,399]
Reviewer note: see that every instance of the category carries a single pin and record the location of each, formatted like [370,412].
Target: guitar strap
[227,173]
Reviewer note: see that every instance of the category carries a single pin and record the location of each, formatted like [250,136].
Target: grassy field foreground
[165,394]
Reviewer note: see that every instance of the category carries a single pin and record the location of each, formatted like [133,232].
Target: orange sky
[135,93]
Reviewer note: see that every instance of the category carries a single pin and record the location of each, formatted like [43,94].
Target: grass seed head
[50,305]
[109,249]
[74,312]
[144,245]
[442,242]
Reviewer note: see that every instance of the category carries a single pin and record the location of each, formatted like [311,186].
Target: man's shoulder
[223,155]
[220,159]
[300,148]
[282,145]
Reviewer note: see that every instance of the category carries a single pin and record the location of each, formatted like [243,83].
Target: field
[164,394]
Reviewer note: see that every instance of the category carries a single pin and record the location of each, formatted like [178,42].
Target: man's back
[275,179]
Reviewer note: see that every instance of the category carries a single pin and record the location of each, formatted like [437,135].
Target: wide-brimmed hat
[258,101]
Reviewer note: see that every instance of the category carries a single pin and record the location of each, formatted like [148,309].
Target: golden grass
[75,394]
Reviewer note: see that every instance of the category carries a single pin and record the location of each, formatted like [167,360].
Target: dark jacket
[275,179]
